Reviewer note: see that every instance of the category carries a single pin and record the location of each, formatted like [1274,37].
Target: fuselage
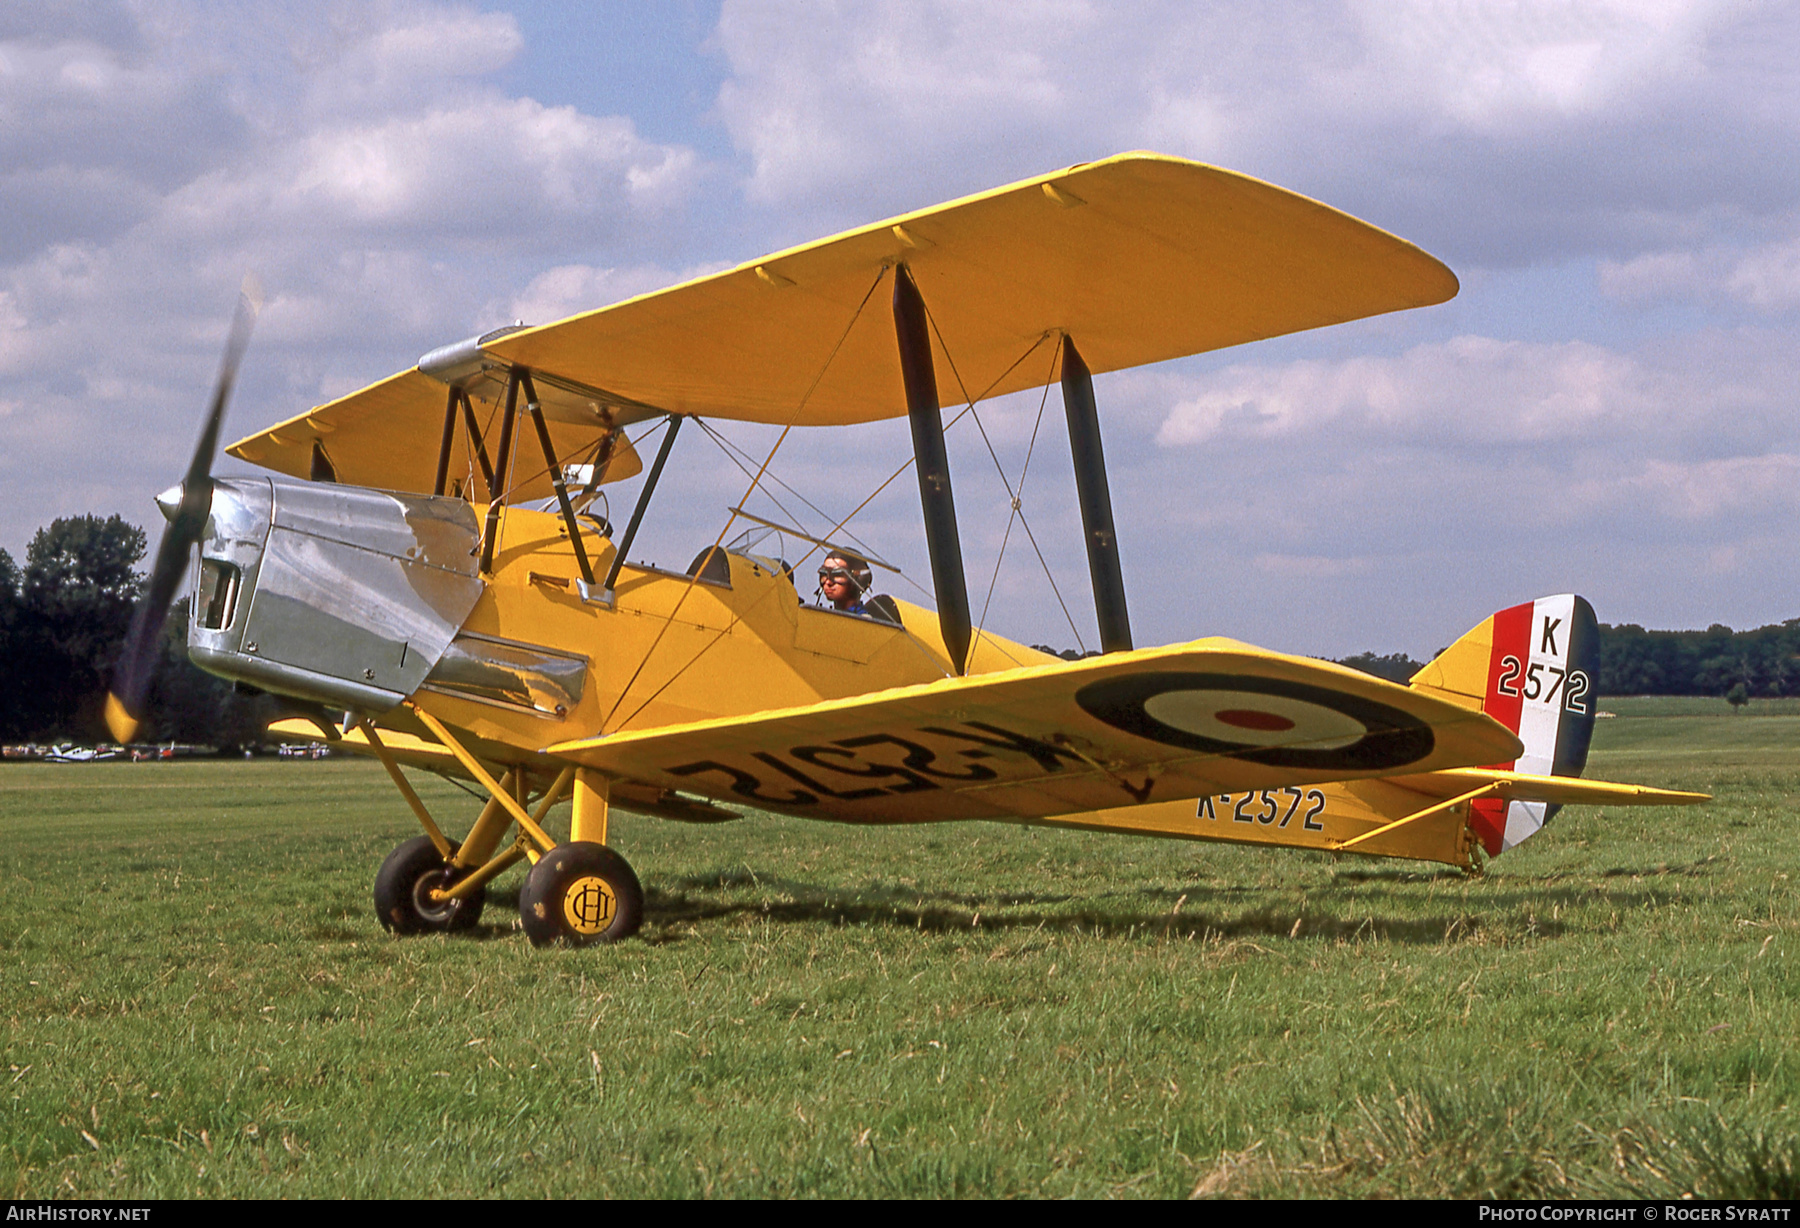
[362,599]
[359,599]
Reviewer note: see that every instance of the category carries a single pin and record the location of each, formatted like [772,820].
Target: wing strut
[941,539]
[1096,501]
[448,438]
[556,478]
[637,513]
[501,469]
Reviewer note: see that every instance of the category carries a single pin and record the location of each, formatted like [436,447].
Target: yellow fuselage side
[670,649]
[1312,817]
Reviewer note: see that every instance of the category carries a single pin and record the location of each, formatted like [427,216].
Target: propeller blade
[137,660]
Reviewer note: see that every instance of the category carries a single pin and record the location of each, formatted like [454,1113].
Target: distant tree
[1395,666]
[63,619]
[1067,654]
[76,594]
[1738,696]
[12,695]
[1634,661]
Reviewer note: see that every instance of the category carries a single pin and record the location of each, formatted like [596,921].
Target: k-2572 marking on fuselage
[1266,806]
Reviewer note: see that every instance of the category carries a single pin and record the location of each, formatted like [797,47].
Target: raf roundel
[1265,720]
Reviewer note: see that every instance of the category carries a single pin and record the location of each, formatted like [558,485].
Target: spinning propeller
[187,523]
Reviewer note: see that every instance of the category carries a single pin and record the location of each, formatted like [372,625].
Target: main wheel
[403,889]
[581,893]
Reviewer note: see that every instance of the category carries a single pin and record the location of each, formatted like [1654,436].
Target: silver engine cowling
[338,594]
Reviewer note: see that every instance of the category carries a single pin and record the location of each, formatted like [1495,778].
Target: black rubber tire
[400,893]
[581,894]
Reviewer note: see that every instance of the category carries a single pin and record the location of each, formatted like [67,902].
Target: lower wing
[1153,725]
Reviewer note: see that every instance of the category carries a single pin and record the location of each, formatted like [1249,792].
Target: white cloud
[1764,276]
[384,64]
[1467,389]
[1489,68]
[1709,490]
[1769,277]
[571,288]
[492,166]
[1519,131]
[1656,275]
[364,162]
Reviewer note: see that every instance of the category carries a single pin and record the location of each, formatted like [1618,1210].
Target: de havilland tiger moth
[393,569]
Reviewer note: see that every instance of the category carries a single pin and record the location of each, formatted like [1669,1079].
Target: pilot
[844,581]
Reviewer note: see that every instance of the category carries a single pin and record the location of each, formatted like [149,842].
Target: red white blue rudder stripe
[1542,660]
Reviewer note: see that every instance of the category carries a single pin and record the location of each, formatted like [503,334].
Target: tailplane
[1533,668]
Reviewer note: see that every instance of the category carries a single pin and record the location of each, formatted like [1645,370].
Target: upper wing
[1151,725]
[1139,257]
[388,435]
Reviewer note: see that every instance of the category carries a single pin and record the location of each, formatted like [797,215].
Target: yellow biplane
[393,570]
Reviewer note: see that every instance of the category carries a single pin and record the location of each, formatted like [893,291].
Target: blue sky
[1608,406]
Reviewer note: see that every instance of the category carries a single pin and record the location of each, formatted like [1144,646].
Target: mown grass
[1697,705]
[199,1002]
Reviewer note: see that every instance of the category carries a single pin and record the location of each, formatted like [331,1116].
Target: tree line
[1633,661]
[63,619]
[64,615]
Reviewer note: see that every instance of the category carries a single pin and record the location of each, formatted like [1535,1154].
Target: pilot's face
[835,583]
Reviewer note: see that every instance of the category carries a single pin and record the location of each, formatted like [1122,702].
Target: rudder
[1532,667]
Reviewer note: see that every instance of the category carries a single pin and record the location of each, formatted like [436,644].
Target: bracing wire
[731,519]
[910,461]
[535,474]
[1018,499]
[832,532]
[727,447]
[1024,521]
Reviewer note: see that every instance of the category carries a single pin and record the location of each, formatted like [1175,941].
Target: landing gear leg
[580,892]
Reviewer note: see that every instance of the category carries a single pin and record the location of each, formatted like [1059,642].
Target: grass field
[199,1002]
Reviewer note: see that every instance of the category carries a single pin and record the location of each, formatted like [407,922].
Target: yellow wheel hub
[589,905]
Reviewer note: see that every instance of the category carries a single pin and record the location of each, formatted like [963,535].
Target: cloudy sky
[1611,405]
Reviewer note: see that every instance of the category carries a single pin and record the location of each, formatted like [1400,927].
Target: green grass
[199,1002]
[1696,705]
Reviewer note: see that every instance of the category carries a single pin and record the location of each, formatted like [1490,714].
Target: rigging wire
[479,796]
[912,460]
[595,484]
[726,446]
[1030,448]
[731,519]
[1024,522]
[737,617]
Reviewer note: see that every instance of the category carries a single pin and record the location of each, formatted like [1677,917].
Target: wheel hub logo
[589,905]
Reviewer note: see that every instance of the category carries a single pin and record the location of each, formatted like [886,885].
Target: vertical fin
[1533,668]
